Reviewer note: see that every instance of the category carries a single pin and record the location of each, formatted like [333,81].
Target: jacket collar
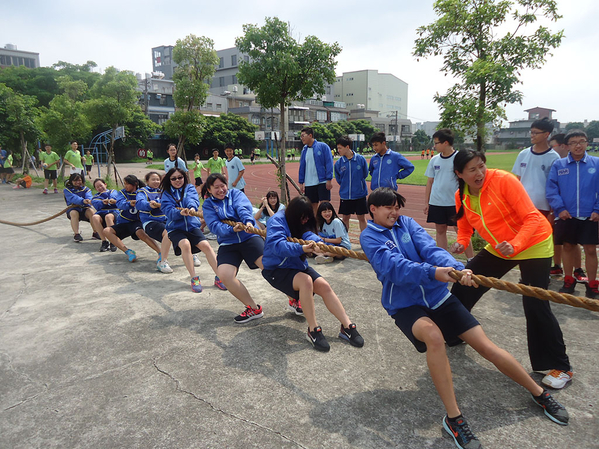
[571,159]
[372,225]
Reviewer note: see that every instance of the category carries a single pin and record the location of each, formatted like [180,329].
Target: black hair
[444,135]
[378,137]
[385,196]
[165,184]
[325,205]
[559,138]
[212,179]
[74,141]
[307,130]
[344,141]
[229,145]
[171,145]
[69,182]
[196,155]
[270,194]
[574,133]
[134,181]
[150,173]
[96,180]
[300,208]
[459,163]
[544,125]
[215,149]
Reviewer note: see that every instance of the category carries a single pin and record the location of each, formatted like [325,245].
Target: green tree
[196,63]
[228,128]
[78,72]
[485,44]
[574,125]
[39,82]
[592,130]
[114,100]
[280,70]
[420,140]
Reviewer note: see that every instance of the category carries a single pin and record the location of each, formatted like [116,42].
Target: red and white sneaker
[557,379]
[249,314]
[295,307]
[580,276]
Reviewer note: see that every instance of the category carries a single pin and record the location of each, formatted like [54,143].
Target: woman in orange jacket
[495,203]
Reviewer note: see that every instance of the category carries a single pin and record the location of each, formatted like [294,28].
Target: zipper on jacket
[578,188]
[350,184]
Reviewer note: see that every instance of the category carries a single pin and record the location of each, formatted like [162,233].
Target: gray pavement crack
[224,412]
[17,296]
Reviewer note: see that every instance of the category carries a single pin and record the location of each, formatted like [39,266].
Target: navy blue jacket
[75,196]
[127,213]
[404,259]
[146,213]
[101,208]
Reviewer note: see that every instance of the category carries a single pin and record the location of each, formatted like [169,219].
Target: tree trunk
[480,114]
[24,151]
[181,149]
[110,162]
[281,157]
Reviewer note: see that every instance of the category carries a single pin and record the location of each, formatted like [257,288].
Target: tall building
[373,91]
[518,133]
[162,61]
[225,80]
[10,56]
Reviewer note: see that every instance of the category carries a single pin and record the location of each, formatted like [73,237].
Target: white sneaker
[210,236]
[164,267]
[196,261]
[323,259]
[557,379]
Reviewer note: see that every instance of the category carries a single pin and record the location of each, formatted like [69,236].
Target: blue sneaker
[196,285]
[219,284]
[131,255]
[461,433]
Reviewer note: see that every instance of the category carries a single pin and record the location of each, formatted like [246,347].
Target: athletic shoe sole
[294,310]
[318,348]
[549,415]
[248,319]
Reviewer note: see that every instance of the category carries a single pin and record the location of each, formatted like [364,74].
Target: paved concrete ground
[98,352]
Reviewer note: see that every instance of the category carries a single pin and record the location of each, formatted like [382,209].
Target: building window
[219,106]
[349,79]
[209,105]
[246,58]
[321,116]
[221,81]
[255,119]
[234,79]
[221,63]
[349,95]
[233,60]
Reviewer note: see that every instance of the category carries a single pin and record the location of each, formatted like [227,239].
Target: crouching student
[235,244]
[286,269]
[179,198]
[127,222]
[76,193]
[153,219]
[106,212]
[414,273]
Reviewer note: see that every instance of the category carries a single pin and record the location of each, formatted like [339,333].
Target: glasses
[535,133]
[575,144]
[178,178]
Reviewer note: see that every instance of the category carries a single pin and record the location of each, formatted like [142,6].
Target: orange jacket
[507,214]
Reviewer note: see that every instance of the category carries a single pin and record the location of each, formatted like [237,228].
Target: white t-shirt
[446,182]
[311,175]
[334,230]
[178,163]
[234,166]
[533,169]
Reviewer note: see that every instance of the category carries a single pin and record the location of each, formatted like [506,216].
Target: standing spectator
[216,164]
[3,156]
[150,156]
[89,163]
[573,194]
[316,169]
[50,162]
[235,170]
[386,166]
[173,161]
[351,171]
[74,159]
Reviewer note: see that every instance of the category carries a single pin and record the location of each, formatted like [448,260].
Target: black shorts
[358,207]
[199,181]
[88,167]
[194,236]
[49,174]
[127,229]
[282,279]
[443,215]
[9,170]
[451,317]
[103,214]
[318,193]
[575,231]
[81,211]
[248,251]
[154,229]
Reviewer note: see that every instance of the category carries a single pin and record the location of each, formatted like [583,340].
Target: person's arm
[328,166]
[405,167]
[71,198]
[141,201]
[465,229]
[427,194]
[338,231]
[258,215]
[552,193]
[213,221]
[276,239]
[240,174]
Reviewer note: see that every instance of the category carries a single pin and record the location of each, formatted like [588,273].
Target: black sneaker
[96,236]
[113,248]
[317,339]
[105,246]
[555,411]
[592,289]
[351,334]
[580,276]
[461,433]
[569,285]
[78,238]
[249,314]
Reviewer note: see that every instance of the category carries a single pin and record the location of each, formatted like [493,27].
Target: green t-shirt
[74,157]
[8,161]
[197,169]
[150,154]
[89,159]
[215,166]
[50,159]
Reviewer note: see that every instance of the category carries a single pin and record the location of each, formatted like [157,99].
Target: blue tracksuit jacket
[185,198]
[351,175]
[385,170]
[76,196]
[101,208]
[323,160]
[236,207]
[127,213]
[146,213]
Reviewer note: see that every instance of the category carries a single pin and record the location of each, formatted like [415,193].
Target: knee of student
[590,250]
[184,245]
[303,282]
[428,332]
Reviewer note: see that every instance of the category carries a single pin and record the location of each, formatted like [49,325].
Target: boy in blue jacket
[414,273]
[351,171]
[386,166]
[316,169]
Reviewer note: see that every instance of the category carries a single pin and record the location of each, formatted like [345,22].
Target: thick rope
[10,223]
[535,292]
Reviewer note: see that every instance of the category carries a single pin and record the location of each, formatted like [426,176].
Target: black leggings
[546,347]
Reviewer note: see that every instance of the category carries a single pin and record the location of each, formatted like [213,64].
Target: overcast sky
[376,35]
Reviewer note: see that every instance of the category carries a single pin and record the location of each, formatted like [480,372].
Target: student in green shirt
[50,161]
[216,164]
[197,173]
[9,172]
[74,159]
[89,163]
[150,156]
